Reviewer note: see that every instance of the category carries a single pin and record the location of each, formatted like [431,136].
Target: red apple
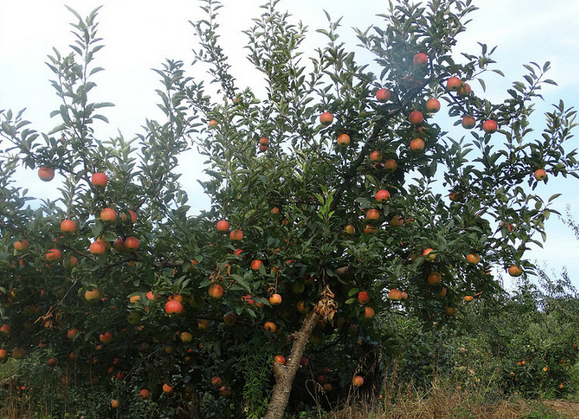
[131,243]
[68,226]
[433,105]
[106,338]
[357,381]
[174,307]
[222,226]
[390,165]
[144,394]
[468,122]
[108,215]
[434,279]
[490,126]
[417,144]
[326,118]
[375,156]
[453,84]
[464,90]
[97,248]
[46,173]
[255,264]
[21,245]
[363,297]
[279,359]
[540,174]
[236,235]
[99,179]
[129,217]
[270,327]
[415,117]
[372,214]
[395,295]
[383,95]
[420,59]
[212,123]
[344,140]
[53,255]
[216,291]
[382,195]
[368,312]
[275,299]
[349,229]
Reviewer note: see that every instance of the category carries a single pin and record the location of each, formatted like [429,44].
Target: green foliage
[278,175]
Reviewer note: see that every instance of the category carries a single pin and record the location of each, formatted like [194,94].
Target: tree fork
[284,376]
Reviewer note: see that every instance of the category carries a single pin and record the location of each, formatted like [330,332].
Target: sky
[140,35]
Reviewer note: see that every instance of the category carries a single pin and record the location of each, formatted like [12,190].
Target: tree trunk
[284,375]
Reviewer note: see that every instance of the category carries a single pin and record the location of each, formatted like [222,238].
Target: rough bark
[284,377]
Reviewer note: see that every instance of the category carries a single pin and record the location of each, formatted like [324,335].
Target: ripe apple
[363,297]
[222,226]
[225,391]
[428,254]
[21,245]
[464,90]
[357,381]
[383,95]
[236,235]
[212,123]
[540,174]
[144,394]
[515,270]
[185,337]
[468,122]
[417,144]
[490,126]
[432,105]
[167,388]
[53,255]
[279,359]
[473,258]
[216,381]
[99,179]
[368,312]
[382,195]
[119,245]
[216,291]
[415,117]
[3,354]
[69,262]
[230,319]
[97,248]
[106,338]
[453,84]
[434,279]
[5,329]
[468,298]
[375,156]
[131,243]
[130,217]
[344,140]
[390,165]
[203,324]
[108,215]
[326,118]
[372,214]
[275,299]
[46,173]
[442,293]
[263,141]
[68,226]
[349,229]
[255,264]
[92,295]
[395,295]
[71,333]
[174,307]
[420,59]
[270,327]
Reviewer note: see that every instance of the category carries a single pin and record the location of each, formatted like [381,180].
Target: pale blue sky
[139,35]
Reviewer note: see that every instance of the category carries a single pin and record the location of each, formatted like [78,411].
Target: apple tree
[335,197]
